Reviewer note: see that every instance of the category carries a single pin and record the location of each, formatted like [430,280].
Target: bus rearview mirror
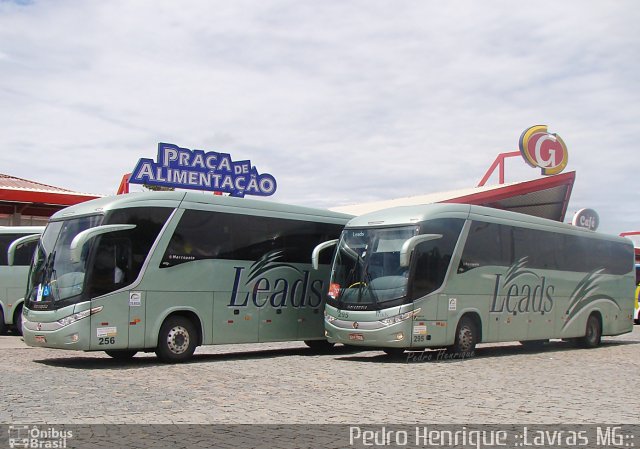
[409,245]
[11,250]
[78,242]
[315,255]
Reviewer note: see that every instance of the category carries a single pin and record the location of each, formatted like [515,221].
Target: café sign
[199,170]
[586,218]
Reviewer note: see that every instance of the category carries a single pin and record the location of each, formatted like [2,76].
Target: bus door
[137,318]
[310,321]
[111,271]
[309,294]
[514,326]
[235,317]
[541,325]
[278,317]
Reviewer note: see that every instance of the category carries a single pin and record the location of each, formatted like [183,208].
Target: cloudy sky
[341,101]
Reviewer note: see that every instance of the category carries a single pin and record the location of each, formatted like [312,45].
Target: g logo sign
[545,150]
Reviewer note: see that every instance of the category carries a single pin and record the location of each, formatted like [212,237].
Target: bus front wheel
[593,333]
[319,346]
[177,340]
[393,352]
[17,320]
[3,327]
[466,337]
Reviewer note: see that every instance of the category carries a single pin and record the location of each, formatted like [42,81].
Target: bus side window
[24,254]
[542,250]
[120,256]
[432,258]
[5,241]
[487,244]
[430,268]
[217,235]
[111,266]
[575,256]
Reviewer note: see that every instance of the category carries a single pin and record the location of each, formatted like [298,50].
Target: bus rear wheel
[3,327]
[466,337]
[593,333]
[534,344]
[125,354]
[177,340]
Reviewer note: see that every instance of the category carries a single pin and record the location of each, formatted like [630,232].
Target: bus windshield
[367,267]
[54,277]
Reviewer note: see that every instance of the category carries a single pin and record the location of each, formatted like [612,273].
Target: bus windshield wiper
[54,283]
[48,268]
[366,276]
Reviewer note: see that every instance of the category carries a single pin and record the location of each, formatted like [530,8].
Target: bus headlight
[328,318]
[398,318]
[78,316]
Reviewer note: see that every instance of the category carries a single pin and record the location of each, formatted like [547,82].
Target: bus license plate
[358,337]
[41,339]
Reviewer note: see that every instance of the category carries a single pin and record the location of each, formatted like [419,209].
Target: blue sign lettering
[195,169]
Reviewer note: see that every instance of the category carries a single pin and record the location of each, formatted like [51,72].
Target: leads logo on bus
[521,290]
[277,291]
[540,148]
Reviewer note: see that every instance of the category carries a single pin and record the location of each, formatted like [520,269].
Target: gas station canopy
[30,202]
[546,197]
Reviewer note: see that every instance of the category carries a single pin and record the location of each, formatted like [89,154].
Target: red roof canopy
[26,197]
[546,197]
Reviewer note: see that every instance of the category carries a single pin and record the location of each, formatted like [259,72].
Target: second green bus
[454,275]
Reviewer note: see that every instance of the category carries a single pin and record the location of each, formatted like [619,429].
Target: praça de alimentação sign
[199,170]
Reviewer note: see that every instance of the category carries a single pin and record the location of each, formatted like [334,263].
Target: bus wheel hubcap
[466,339]
[178,340]
[591,331]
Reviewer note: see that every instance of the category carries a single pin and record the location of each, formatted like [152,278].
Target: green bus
[13,273]
[169,271]
[454,275]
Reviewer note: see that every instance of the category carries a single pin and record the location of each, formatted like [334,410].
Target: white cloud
[341,101]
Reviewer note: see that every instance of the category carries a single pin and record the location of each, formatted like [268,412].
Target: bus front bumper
[74,336]
[358,334]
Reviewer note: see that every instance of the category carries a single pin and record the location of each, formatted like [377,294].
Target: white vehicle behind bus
[453,275]
[13,273]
